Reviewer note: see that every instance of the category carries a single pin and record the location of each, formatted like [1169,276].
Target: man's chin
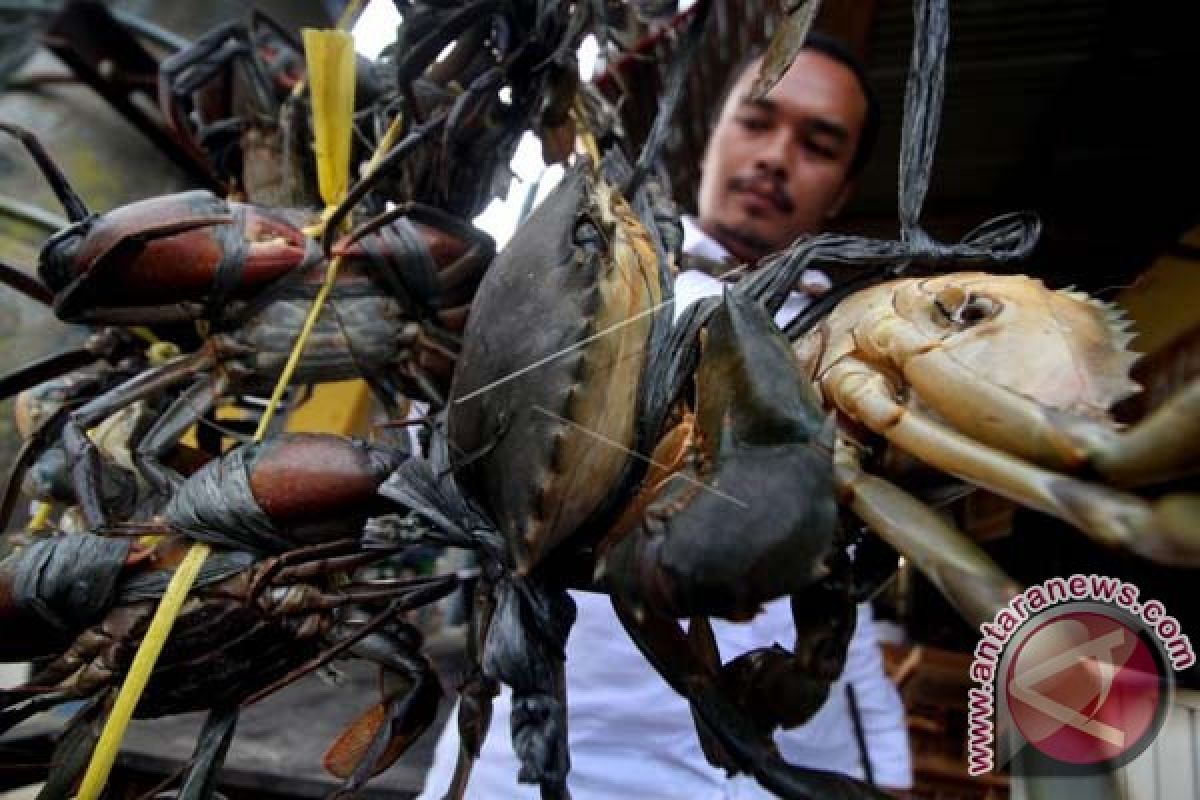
[744,243]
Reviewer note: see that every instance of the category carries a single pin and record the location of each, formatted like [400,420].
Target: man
[784,166]
[775,169]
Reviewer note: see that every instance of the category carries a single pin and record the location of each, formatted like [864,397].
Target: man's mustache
[769,185]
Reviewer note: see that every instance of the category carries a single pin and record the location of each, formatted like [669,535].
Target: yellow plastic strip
[345,22]
[385,144]
[41,515]
[144,333]
[289,368]
[390,136]
[335,264]
[139,673]
[162,352]
[330,57]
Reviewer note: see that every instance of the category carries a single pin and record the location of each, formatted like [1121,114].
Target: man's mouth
[771,192]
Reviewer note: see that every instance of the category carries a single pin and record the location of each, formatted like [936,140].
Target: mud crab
[542,471]
[270,605]
[1005,384]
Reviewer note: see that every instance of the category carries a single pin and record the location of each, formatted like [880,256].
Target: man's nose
[775,154]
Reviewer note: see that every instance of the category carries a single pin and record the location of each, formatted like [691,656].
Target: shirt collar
[698,243]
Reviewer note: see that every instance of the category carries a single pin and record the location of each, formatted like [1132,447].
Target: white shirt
[631,735]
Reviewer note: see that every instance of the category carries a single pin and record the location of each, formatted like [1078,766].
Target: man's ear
[843,196]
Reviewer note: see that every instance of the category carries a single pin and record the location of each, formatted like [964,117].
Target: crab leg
[26,284]
[184,412]
[73,750]
[88,465]
[1160,447]
[33,447]
[373,741]
[1166,532]
[964,574]
[475,696]
[1163,445]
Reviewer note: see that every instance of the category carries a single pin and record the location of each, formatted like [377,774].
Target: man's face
[778,168]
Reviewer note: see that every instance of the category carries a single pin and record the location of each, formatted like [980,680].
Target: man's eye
[754,123]
[822,149]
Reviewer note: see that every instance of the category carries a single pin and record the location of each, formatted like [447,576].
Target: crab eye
[976,310]
[59,261]
[964,308]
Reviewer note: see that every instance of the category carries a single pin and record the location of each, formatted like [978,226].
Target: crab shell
[1009,339]
[545,397]
[35,405]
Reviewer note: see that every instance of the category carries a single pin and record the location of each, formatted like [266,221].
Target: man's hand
[814,283]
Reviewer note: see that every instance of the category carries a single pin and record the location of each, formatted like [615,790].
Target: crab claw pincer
[739,507]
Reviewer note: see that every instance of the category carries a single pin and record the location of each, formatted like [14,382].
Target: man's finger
[815,283]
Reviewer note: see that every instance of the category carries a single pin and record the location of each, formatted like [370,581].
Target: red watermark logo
[1084,688]
[1074,676]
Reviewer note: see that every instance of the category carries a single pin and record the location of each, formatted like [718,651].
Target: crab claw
[785,45]
[739,508]
[53,588]
[407,716]
[782,689]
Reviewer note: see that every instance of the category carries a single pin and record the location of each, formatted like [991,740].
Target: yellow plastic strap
[289,368]
[345,22]
[41,514]
[144,333]
[139,673]
[330,57]
[386,143]
[349,14]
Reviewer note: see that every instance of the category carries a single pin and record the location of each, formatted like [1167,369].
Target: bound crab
[272,603]
[251,273]
[542,471]
[232,99]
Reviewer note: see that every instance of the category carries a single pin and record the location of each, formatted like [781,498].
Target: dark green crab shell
[544,403]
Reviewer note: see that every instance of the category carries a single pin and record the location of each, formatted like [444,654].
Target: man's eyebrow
[830,128]
[761,104]
[817,125]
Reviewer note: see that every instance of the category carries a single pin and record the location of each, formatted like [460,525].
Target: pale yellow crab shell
[28,415]
[1063,349]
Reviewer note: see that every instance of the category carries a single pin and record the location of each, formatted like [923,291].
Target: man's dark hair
[838,51]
